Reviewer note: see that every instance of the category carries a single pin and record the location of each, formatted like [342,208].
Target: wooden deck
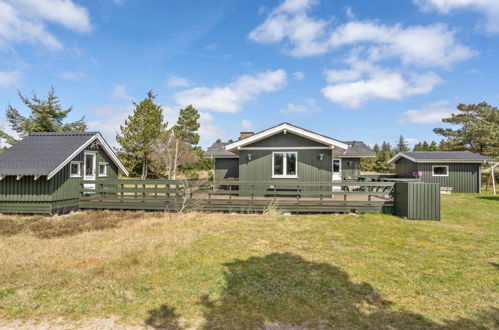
[226,196]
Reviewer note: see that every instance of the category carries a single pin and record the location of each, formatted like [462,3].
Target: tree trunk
[144,168]
[175,160]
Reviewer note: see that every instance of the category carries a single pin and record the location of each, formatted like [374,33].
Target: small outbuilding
[43,172]
[458,171]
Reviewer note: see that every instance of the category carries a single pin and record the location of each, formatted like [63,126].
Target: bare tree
[168,153]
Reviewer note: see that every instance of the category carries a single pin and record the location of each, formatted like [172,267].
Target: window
[74,169]
[336,166]
[102,169]
[284,164]
[440,170]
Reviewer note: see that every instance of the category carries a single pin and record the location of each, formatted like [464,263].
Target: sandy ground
[61,324]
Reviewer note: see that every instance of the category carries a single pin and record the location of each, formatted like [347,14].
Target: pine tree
[188,125]
[140,130]
[433,146]
[478,129]
[425,146]
[46,115]
[401,145]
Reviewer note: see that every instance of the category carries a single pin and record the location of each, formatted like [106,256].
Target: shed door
[89,165]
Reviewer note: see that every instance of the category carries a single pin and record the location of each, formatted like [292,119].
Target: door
[89,165]
[336,172]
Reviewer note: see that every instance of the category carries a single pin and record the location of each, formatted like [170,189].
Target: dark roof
[41,153]
[442,156]
[217,150]
[357,149]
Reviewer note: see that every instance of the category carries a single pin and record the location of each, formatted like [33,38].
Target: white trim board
[106,148]
[285,127]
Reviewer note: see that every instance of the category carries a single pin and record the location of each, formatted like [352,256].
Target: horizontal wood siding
[226,168]
[463,177]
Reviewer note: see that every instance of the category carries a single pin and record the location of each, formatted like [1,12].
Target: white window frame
[433,170]
[79,169]
[285,165]
[105,169]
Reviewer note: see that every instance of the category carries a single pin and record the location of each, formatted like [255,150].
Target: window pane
[440,170]
[336,166]
[89,165]
[75,169]
[102,169]
[291,163]
[278,163]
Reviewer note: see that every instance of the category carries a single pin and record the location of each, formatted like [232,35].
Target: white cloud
[246,125]
[366,81]
[432,45]
[120,93]
[208,131]
[298,75]
[9,78]
[72,75]
[110,118]
[231,97]
[303,35]
[488,8]
[308,107]
[431,113]
[175,81]
[289,21]
[25,20]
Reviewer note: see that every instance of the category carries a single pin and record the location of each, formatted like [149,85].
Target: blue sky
[354,70]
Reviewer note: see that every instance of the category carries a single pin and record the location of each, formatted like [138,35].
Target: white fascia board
[397,156]
[400,155]
[106,148]
[278,129]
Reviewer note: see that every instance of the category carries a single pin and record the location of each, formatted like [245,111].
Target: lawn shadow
[492,198]
[163,317]
[285,291]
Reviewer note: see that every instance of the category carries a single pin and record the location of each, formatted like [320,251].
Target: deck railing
[238,195]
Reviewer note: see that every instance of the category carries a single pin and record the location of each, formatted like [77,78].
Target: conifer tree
[138,133]
[46,115]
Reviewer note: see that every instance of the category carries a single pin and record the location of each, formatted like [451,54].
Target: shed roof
[441,157]
[47,153]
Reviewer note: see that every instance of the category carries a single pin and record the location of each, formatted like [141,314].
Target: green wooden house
[458,171]
[42,173]
[287,154]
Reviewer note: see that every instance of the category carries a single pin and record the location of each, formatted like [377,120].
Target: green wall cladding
[463,177]
[226,168]
[350,168]
[417,200]
[47,196]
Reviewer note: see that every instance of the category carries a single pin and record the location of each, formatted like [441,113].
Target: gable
[282,140]
[286,128]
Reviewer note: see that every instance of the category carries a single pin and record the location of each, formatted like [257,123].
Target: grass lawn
[235,271]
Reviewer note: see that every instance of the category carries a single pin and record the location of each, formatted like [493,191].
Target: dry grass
[237,271]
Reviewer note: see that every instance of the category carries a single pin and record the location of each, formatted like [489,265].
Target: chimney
[244,135]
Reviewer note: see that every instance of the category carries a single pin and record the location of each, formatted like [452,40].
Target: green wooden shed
[458,170]
[288,154]
[42,173]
